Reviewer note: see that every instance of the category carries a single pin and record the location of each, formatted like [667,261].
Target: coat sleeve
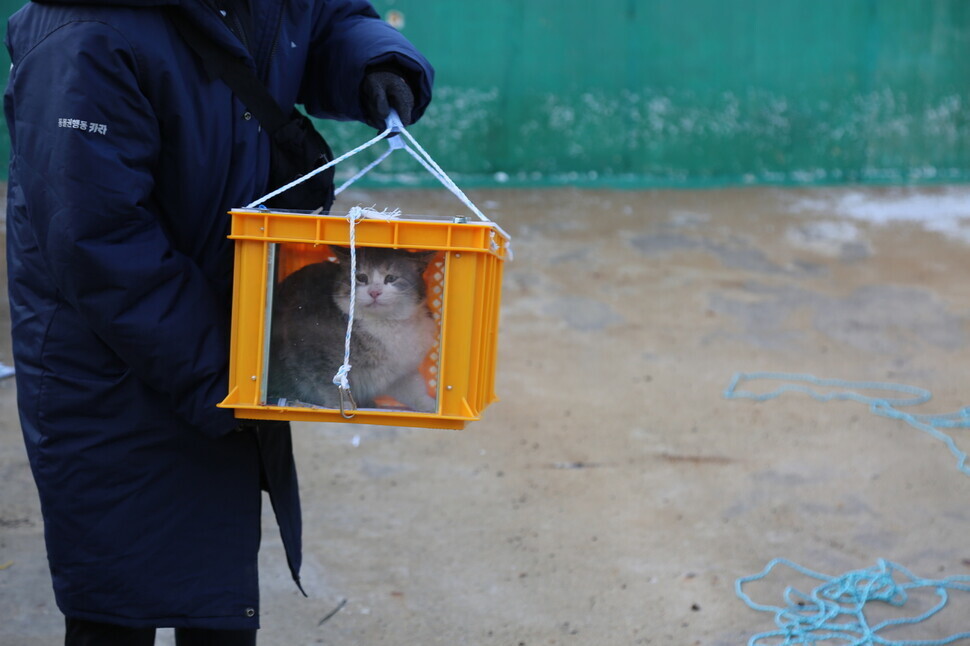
[86,141]
[348,37]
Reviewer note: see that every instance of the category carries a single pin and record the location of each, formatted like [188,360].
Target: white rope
[340,379]
[333,162]
[394,125]
[363,172]
[438,173]
[357,213]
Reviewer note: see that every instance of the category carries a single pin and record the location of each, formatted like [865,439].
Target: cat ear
[342,253]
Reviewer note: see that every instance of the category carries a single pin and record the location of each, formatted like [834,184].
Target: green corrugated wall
[691,92]
[8,7]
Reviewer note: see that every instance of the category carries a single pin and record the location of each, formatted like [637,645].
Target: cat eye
[362,278]
[390,278]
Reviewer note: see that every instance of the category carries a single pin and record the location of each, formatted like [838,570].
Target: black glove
[382,90]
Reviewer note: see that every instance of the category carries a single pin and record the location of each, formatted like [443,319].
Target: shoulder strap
[241,79]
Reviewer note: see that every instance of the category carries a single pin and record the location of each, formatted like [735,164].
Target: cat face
[388,282]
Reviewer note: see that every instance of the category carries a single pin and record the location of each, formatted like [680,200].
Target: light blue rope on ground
[883,406]
[835,611]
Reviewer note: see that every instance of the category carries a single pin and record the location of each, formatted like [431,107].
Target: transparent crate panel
[396,337]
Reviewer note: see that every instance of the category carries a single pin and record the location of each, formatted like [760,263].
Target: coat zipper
[238,28]
[232,22]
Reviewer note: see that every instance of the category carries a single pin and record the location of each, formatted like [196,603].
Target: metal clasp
[345,397]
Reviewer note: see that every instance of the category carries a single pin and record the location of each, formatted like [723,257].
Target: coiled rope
[882,406]
[835,612]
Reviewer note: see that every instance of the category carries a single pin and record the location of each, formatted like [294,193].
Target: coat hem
[213,623]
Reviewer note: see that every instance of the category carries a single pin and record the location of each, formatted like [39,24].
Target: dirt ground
[614,495]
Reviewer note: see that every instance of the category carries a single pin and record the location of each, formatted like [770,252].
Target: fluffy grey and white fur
[393,330]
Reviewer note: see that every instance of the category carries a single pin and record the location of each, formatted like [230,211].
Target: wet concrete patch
[574,255]
[734,255]
[849,505]
[375,469]
[877,542]
[887,318]
[763,321]
[773,478]
[680,218]
[583,314]
[658,243]
[874,318]
[747,259]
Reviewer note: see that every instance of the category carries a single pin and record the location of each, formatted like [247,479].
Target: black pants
[90,633]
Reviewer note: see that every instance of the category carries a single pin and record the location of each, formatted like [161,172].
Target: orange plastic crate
[471,257]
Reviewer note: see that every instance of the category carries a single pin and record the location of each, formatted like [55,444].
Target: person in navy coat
[125,157]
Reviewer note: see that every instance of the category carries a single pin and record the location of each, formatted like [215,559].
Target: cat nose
[374,293]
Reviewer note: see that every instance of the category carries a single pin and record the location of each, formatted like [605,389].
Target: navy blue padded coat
[125,159]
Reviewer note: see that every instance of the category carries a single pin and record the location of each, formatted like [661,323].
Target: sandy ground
[614,495]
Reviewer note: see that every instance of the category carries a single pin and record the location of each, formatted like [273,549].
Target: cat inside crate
[392,334]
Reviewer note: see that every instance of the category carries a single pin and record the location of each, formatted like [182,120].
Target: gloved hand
[381,90]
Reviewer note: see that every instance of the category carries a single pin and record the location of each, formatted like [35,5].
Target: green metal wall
[7,7]
[690,92]
[694,92]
